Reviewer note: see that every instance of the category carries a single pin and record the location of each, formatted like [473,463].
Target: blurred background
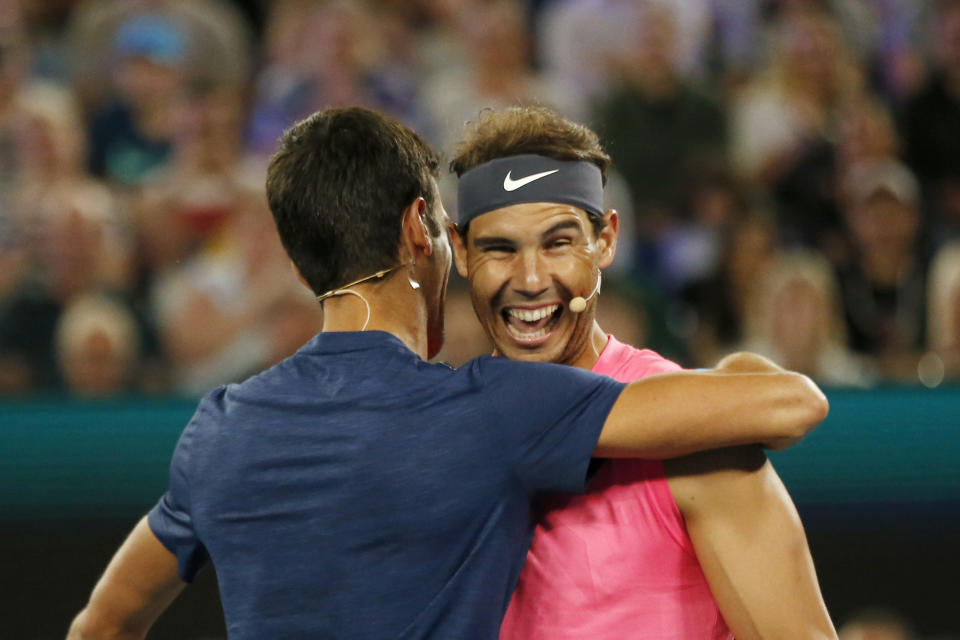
[787,174]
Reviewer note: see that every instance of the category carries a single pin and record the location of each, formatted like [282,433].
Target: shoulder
[297,375]
[654,362]
[628,363]
[490,368]
[513,381]
[210,411]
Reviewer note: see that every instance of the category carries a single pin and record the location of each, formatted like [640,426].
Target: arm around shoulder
[680,413]
[138,585]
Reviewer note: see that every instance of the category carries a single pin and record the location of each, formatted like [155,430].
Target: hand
[746,362]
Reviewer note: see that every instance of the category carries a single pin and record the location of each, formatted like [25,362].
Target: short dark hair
[528,130]
[337,188]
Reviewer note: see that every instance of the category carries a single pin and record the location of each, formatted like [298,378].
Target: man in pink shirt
[708,546]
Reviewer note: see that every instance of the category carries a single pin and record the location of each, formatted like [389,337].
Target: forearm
[136,587]
[750,544]
[86,627]
[680,413]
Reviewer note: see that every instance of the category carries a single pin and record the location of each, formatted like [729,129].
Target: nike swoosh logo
[509,184]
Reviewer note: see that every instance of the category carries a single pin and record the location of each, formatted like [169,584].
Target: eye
[495,249]
[558,243]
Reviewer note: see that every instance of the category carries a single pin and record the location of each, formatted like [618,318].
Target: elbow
[822,409]
[80,628]
[814,406]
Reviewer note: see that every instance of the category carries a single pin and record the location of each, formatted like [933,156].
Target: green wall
[60,457]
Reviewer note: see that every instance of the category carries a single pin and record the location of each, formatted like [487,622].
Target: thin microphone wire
[345,290]
[579,304]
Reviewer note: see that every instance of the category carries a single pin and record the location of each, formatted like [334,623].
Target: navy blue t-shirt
[356,491]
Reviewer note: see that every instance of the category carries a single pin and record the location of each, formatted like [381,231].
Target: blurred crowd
[787,173]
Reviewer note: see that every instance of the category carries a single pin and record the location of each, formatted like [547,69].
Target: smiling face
[525,263]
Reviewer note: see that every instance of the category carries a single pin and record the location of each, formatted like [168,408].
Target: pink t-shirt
[615,563]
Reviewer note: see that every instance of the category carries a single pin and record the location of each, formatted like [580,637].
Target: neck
[394,308]
[592,348]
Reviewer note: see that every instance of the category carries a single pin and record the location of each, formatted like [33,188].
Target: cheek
[577,271]
[486,279]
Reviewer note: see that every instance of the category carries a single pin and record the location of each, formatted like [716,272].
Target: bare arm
[750,543]
[139,584]
[745,400]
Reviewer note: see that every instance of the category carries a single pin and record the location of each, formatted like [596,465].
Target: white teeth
[539,333]
[532,315]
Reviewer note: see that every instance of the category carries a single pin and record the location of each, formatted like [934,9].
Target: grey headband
[529,178]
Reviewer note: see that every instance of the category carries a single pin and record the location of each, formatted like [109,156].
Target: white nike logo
[509,184]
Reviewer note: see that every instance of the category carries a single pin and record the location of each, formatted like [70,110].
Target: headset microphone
[579,304]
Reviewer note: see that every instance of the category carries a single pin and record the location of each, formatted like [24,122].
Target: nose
[530,279]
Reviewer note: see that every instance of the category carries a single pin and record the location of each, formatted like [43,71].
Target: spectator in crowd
[943,316]
[73,236]
[866,134]
[884,287]
[327,54]
[51,164]
[719,303]
[690,248]
[931,125]
[575,45]
[219,312]
[886,37]
[663,134]
[131,134]
[865,137]
[98,347]
[798,321]
[578,40]
[172,113]
[182,207]
[77,252]
[497,74]
[783,123]
[217,41]
[207,179]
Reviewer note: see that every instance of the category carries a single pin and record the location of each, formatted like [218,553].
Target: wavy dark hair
[528,130]
[337,188]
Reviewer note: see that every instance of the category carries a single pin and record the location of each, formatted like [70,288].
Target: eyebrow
[562,226]
[492,241]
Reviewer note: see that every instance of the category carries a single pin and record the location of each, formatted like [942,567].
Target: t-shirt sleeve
[171,519]
[549,418]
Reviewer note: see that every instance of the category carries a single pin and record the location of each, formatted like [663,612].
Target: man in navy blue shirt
[357,491]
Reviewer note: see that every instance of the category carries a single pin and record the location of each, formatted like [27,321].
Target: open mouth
[531,325]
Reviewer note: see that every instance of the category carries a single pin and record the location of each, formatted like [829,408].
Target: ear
[459,250]
[607,241]
[414,233]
